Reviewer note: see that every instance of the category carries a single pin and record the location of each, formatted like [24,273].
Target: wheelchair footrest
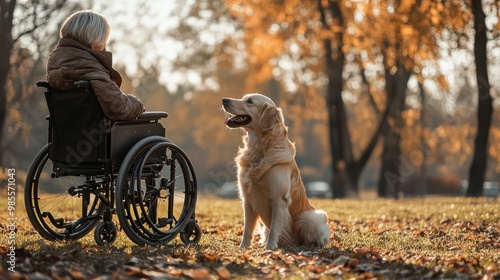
[163,222]
[57,222]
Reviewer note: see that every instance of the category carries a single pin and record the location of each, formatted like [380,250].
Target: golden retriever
[269,181]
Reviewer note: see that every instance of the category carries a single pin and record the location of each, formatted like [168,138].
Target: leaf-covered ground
[431,238]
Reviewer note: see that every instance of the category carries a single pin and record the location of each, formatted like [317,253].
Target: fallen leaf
[341,260]
[361,252]
[133,271]
[132,261]
[175,272]
[276,254]
[206,257]
[223,273]
[491,268]
[246,256]
[367,275]
[76,274]
[353,262]
[151,274]
[15,276]
[315,268]
[445,221]
[22,253]
[201,273]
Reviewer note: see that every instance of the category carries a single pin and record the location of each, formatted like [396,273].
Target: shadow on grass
[76,260]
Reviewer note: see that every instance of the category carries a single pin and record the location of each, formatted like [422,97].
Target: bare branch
[39,21]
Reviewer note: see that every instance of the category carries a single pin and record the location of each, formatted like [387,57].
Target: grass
[422,238]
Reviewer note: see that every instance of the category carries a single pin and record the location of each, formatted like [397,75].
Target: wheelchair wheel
[61,207]
[191,234]
[156,191]
[105,233]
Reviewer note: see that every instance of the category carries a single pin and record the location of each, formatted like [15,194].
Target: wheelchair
[92,168]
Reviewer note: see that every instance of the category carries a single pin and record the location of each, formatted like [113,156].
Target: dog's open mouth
[237,121]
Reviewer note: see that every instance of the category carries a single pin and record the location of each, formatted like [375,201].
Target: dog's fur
[269,181]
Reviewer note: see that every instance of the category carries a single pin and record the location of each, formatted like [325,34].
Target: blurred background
[393,98]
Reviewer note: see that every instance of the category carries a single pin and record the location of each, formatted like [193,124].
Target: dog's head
[254,111]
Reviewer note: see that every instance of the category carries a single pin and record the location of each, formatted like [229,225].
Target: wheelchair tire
[156,191]
[191,234]
[105,233]
[54,204]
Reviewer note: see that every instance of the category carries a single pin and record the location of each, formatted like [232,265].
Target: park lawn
[419,238]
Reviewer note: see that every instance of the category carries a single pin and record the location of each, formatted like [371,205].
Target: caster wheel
[191,234]
[105,233]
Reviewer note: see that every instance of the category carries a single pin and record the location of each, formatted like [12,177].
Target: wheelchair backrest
[82,139]
[77,126]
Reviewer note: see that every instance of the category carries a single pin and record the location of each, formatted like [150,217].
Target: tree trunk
[423,142]
[334,65]
[346,169]
[484,111]
[394,170]
[335,108]
[6,43]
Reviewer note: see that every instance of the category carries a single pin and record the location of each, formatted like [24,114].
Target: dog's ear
[271,116]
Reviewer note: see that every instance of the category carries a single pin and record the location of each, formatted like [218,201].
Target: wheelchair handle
[44,84]
[78,84]
[82,84]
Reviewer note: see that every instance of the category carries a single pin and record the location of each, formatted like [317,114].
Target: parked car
[490,189]
[318,189]
[228,190]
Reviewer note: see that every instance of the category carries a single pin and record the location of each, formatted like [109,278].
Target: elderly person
[81,55]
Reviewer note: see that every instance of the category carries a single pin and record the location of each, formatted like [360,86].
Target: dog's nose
[225,101]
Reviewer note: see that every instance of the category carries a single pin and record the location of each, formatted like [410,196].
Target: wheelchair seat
[83,140]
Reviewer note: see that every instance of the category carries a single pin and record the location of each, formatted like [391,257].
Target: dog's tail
[313,227]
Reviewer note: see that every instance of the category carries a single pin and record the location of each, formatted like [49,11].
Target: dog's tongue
[229,118]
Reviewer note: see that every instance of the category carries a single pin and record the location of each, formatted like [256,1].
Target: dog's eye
[249,101]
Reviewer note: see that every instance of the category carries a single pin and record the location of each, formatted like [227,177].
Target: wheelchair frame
[100,168]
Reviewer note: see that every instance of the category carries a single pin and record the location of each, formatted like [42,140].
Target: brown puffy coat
[72,61]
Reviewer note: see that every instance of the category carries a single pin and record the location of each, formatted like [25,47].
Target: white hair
[87,27]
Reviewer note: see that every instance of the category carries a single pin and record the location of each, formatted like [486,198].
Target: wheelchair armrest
[44,84]
[152,115]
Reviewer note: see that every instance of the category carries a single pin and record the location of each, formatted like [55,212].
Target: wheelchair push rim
[156,191]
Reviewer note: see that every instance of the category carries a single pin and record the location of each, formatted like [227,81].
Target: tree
[332,19]
[7,42]
[405,34]
[390,173]
[29,18]
[484,107]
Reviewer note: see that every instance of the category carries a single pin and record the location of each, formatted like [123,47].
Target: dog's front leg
[280,223]
[250,221]
[279,185]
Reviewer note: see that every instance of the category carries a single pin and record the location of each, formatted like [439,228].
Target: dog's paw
[244,244]
[271,245]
